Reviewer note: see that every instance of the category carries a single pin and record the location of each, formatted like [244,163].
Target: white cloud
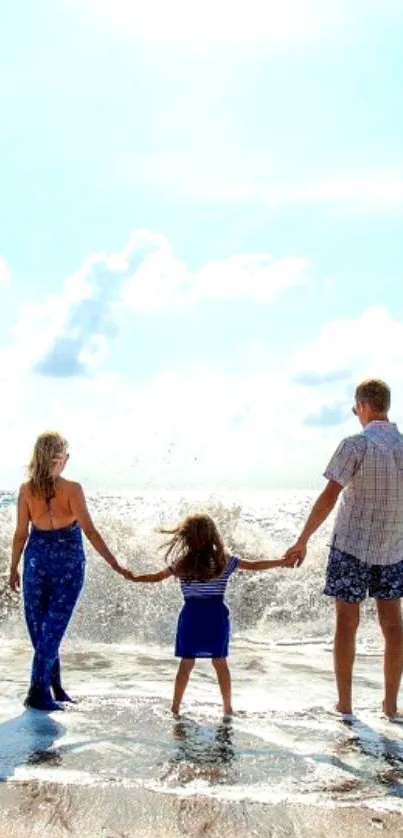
[214,21]
[196,427]
[5,276]
[69,333]
[163,280]
[205,428]
[254,276]
[272,422]
[345,352]
[369,345]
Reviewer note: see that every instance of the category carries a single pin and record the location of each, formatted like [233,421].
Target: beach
[117,764]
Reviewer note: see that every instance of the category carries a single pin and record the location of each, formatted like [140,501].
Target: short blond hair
[374,392]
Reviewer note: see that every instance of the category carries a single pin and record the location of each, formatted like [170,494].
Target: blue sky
[201,221]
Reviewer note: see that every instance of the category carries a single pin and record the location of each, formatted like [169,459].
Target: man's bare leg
[390,619]
[347,620]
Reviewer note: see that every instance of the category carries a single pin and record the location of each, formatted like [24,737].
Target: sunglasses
[355,409]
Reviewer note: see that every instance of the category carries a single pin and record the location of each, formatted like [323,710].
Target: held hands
[289,561]
[127,574]
[119,568]
[130,576]
[295,555]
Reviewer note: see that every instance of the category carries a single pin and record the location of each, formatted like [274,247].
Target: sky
[201,219]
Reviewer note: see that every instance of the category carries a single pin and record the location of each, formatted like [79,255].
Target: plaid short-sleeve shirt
[369,520]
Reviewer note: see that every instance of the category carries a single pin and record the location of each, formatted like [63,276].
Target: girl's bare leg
[224,682]
[181,681]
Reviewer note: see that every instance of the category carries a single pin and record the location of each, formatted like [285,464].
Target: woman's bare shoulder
[25,489]
[70,486]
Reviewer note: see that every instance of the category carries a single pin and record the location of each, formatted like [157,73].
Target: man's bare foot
[392,713]
[175,709]
[228,712]
[344,709]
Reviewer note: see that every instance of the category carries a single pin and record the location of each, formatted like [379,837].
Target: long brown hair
[196,550]
[48,448]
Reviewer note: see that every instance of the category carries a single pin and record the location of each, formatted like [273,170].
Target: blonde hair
[49,446]
[196,548]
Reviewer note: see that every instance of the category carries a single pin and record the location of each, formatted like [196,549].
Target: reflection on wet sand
[202,753]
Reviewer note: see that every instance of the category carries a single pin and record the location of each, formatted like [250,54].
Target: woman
[53,562]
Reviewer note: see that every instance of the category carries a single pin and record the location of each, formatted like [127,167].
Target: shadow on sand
[384,767]
[28,739]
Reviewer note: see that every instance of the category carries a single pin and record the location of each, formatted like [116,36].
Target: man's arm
[318,514]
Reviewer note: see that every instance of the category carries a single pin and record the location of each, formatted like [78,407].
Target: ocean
[117,764]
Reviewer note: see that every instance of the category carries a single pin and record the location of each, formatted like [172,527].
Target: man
[366,553]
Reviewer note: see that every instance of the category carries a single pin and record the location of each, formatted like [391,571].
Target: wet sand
[34,808]
[115,765]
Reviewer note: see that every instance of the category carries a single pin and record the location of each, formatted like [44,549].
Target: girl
[51,514]
[199,561]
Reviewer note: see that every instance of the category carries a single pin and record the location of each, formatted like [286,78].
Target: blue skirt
[203,628]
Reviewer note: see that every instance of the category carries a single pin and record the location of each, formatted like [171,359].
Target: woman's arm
[266,564]
[151,577]
[20,537]
[80,511]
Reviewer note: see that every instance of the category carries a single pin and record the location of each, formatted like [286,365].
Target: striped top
[369,521]
[214,587]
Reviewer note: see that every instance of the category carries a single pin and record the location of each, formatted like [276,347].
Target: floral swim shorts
[350,580]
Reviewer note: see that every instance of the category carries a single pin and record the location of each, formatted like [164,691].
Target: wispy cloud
[187,175]
[197,176]
[312,378]
[376,190]
[327,416]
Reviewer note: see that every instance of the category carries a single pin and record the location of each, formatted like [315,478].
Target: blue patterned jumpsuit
[53,578]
